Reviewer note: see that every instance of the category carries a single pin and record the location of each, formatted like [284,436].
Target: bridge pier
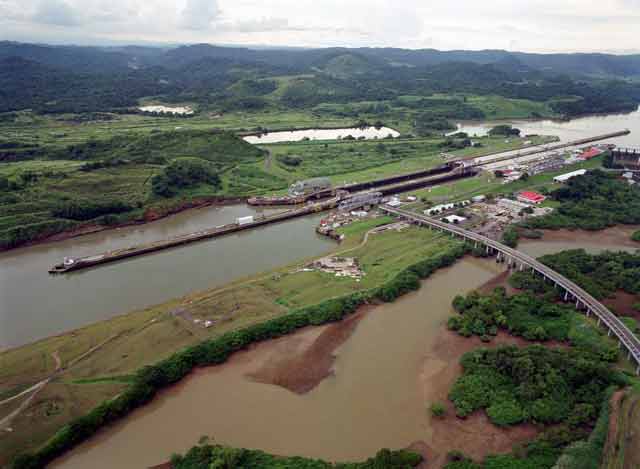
[521,261]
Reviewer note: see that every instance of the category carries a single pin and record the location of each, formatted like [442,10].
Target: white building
[444,207]
[567,176]
[454,219]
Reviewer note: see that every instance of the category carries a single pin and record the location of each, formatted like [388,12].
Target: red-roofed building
[530,197]
[590,153]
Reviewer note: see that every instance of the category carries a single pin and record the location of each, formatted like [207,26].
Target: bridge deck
[622,332]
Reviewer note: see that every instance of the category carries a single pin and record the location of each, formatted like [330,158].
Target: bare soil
[622,304]
[301,361]
[301,364]
[475,435]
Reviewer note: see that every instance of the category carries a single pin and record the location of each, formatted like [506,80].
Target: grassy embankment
[120,172]
[147,336]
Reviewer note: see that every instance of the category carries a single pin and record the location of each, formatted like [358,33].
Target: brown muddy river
[374,399]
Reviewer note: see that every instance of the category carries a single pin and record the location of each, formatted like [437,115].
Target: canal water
[373,400]
[35,304]
[574,129]
[322,134]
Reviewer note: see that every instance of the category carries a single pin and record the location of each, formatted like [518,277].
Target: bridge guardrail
[622,332]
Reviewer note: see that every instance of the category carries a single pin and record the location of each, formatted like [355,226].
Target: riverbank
[149,215]
[154,333]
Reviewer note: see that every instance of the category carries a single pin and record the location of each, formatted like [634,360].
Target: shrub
[438,409]
[82,209]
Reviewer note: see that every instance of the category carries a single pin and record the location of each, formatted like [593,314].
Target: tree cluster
[182,173]
[593,201]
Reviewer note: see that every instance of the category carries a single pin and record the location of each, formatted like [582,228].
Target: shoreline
[149,216]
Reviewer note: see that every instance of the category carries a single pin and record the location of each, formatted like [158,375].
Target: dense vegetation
[593,201]
[184,172]
[504,130]
[150,379]
[560,446]
[532,384]
[599,274]
[216,456]
[118,180]
[528,316]
[58,79]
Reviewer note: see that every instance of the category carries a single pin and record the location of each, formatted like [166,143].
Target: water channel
[377,396]
[373,400]
[35,304]
[574,129]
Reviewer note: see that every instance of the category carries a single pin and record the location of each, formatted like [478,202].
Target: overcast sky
[532,25]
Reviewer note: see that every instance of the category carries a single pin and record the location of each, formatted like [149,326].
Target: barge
[73,264]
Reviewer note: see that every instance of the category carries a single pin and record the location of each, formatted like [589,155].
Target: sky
[530,26]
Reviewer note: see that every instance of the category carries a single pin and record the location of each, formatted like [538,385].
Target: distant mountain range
[101,59]
[79,79]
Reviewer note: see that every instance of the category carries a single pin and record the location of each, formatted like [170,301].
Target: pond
[322,134]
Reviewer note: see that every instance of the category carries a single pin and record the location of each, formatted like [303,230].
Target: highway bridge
[518,260]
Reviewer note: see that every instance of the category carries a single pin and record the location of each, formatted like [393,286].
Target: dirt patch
[500,280]
[622,304]
[616,235]
[475,436]
[300,365]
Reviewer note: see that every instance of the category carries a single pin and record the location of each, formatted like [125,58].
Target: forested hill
[101,59]
[55,79]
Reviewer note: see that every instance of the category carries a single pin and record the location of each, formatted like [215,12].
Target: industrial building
[552,162]
[361,200]
[565,177]
[309,186]
[511,205]
[455,219]
[530,197]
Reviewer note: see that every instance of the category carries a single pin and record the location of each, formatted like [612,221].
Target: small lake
[166,109]
[574,129]
[322,134]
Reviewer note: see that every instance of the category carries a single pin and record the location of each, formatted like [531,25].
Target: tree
[504,130]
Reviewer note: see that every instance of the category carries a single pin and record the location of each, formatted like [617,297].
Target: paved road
[582,298]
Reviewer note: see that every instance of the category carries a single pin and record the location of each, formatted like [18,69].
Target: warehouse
[529,197]
[567,176]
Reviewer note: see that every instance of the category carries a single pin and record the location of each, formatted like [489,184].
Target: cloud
[199,14]
[55,12]
[262,25]
[534,25]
